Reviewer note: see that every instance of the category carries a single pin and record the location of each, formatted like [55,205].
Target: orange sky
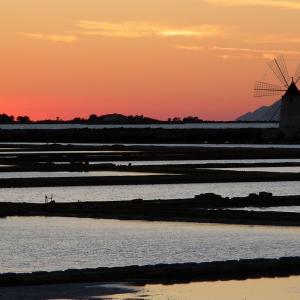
[161,58]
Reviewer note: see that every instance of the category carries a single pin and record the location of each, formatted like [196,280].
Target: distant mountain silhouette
[264,113]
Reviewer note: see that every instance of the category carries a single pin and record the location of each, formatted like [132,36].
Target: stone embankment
[163,273]
[205,208]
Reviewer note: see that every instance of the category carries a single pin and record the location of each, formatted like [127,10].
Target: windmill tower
[289,125]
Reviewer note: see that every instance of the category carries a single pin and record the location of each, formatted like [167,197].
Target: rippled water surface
[146,192]
[64,152]
[199,145]
[292,169]
[289,169]
[71,174]
[204,161]
[37,243]
[295,209]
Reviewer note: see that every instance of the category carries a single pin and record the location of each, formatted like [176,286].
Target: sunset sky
[160,58]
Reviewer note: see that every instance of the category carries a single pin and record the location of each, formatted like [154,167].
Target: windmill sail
[263,89]
[278,66]
[297,75]
[289,121]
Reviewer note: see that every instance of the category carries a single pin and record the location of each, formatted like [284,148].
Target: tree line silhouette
[95,119]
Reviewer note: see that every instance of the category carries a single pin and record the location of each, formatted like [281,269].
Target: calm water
[166,126]
[266,169]
[203,161]
[253,289]
[295,209]
[147,192]
[71,174]
[37,243]
[205,145]
[64,152]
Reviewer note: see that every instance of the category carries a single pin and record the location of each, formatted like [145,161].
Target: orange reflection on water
[254,289]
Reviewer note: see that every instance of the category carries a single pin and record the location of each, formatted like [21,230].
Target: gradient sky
[161,58]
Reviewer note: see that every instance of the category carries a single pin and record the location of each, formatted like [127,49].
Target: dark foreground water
[254,289]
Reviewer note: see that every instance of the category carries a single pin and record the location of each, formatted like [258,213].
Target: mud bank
[147,167]
[201,209]
[163,273]
[139,152]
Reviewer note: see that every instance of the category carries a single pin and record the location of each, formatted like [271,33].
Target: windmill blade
[263,89]
[297,75]
[278,66]
[282,65]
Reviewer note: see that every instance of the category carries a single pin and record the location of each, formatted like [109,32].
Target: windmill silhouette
[290,101]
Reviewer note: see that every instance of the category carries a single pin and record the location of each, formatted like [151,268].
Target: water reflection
[72,174]
[295,209]
[253,289]
[203,161]
[258,289]
[36,243]
[65,152]
[291,169]
[75,291]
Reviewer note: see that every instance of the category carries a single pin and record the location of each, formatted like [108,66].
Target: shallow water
[146,192]
[295,209]
[65,152]
[253,289]
[183,145]
[37,243]
[203,161]
[225,145]
[71,174]
[206,145]
[291,169]
[74,291]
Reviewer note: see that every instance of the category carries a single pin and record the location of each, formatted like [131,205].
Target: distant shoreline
[119,119]
[247,133]
[154,125]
